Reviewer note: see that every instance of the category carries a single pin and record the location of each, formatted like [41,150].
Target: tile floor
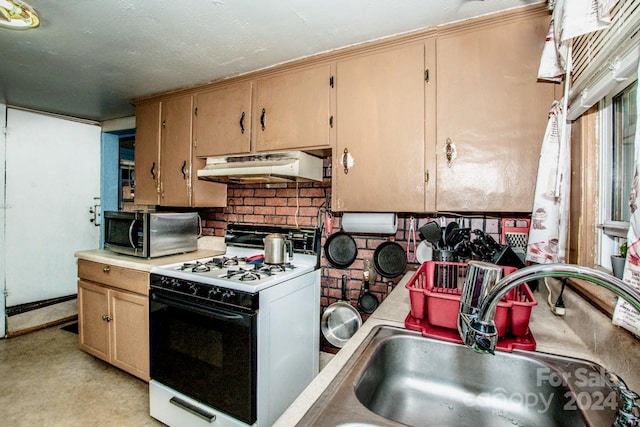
[46,381]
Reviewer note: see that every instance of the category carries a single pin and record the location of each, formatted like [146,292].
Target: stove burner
[195,267]
[277,268]
[244,275]
[222,262]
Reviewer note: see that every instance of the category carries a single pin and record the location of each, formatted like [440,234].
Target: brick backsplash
[300,205]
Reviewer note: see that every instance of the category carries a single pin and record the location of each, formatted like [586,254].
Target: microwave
[151,234]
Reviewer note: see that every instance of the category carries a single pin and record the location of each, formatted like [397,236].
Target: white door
[52,178]
[3,117]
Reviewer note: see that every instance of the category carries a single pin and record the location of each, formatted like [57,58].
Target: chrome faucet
[484,287]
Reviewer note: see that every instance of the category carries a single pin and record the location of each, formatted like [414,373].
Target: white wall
[52,177]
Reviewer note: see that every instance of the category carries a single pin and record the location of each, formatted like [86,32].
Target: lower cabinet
[114,321]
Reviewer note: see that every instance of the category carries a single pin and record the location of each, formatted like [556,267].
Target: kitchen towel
[548,232]
[624,314]
[570,19]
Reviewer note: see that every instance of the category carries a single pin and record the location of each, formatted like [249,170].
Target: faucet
[484,287]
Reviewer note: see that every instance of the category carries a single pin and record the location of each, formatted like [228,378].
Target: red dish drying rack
[434,292]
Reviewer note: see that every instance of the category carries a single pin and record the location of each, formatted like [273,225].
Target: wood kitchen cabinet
[293,110]
[222,121]
[491,115]
[381,106]
[165,162]
[175,152]
[147,154]
[113,315]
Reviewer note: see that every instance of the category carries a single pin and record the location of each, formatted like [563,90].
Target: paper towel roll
[378,223]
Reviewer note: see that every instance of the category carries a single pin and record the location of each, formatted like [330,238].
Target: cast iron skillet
[340,250]
[390,259]
[367,302]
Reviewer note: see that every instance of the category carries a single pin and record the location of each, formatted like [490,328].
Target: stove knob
[227,295]
[213,293]
[193,289]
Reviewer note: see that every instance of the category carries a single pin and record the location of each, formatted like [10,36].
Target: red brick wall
[299,205]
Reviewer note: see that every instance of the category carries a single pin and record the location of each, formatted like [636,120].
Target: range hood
[287,166]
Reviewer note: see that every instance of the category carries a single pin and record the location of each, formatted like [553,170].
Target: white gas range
[233,339]
[240,268]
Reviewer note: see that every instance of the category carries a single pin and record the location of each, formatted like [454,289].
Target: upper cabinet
[293,110]
[381,130]
[448,119]
[147,154]
[165,160]
[491,115]
[222,122]
[175,152]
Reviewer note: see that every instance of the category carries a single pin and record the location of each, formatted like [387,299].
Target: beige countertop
[552,334]
[208,246]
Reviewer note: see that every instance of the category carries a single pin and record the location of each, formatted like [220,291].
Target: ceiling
[89,58]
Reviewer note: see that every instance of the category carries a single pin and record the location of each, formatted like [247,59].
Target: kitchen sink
[398,377]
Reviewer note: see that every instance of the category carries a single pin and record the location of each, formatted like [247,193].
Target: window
[623,136]
[617,126]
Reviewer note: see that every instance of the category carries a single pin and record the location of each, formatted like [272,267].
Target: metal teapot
[277,249]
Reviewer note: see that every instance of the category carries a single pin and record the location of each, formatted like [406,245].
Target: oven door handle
[243,319]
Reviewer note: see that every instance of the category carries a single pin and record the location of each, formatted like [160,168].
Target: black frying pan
[340,250]
[367,302]
[390,259]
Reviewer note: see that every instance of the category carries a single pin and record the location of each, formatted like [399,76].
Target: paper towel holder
[370,222]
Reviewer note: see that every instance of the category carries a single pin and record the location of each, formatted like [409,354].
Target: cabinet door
[381,116]
[293,110]
[147,153]
[93,328]
[130,332]
[175,152]
[492,114]
[222,122]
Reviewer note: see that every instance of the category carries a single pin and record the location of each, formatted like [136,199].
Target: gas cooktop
[242,266]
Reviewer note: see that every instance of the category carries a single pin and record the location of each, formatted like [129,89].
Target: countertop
[208,246]
[552,334]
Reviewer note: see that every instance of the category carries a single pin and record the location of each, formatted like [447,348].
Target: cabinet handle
[331,122]
[153,170]
[183,170]
[450,152]
[164,124]
[106,269]
[242,123]
[264,112]
[107,318]
[347,161]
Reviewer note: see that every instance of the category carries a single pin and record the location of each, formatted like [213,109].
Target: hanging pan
[367,302]
[340,249]
[390,259]
[340,320]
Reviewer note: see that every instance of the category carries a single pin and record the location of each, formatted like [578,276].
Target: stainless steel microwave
[151,234]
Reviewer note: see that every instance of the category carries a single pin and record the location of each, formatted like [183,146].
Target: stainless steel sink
[398,377]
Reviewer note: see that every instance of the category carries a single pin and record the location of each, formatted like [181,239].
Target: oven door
[205,352]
